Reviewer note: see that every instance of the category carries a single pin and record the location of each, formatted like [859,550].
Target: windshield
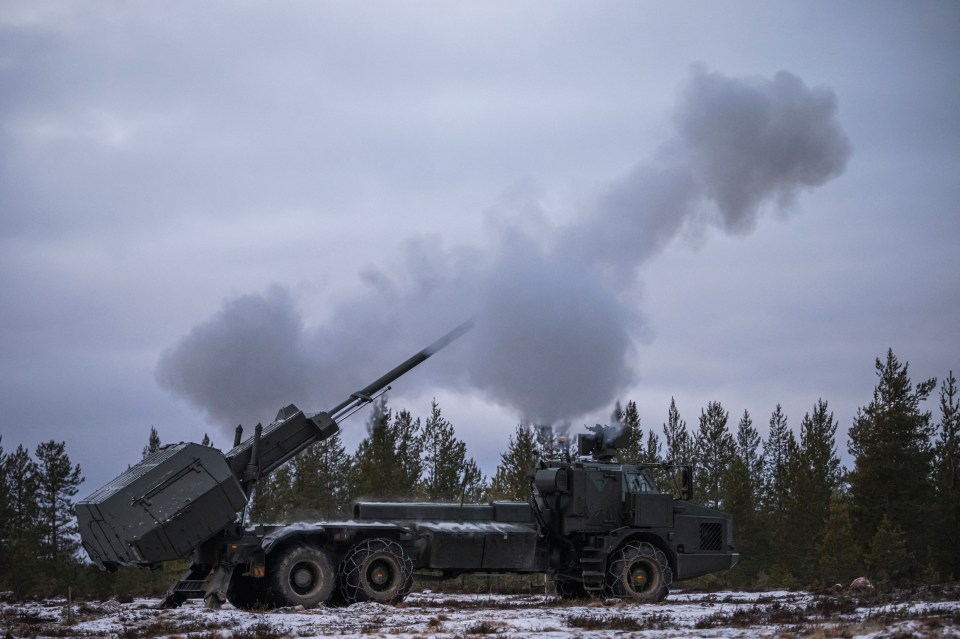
[637,482]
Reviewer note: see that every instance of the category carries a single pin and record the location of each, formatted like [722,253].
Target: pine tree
[475,487]
[893,455]
[377,470]
[21,472]
[22,527]
[6,513]
[818,450]
[652,450]
[629,418]
[888,559]
[714,446]
[741,499]
[776,456]
[446,471]
[814,476]
[947,478]
[512,477]
[57,485]
[747,448]
[409,437]
[273,496]
[321,481]
[779,450]
[838,555]
[153,443]
[680,448]
[738,502]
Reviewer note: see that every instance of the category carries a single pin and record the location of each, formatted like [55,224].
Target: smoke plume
[554,334]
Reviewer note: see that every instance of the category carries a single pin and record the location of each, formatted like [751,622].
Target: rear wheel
[376,570]
[301,576]
[639,572]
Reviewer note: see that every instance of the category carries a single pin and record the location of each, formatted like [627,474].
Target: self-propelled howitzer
[593,525]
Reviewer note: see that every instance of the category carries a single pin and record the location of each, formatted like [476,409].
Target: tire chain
[350,568]
[644,549]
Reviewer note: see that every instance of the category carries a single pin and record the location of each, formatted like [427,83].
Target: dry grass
[653,621]
[163,627]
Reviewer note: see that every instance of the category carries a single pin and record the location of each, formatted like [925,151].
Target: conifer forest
[802,518]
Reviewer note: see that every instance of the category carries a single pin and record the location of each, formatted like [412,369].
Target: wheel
[667,580]
[570,589]
[376,570]
[247,593]
[639,572]
[301,576]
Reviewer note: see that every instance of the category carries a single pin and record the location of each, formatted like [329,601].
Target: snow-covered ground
[434,615]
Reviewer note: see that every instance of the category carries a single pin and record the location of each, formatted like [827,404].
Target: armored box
[162,508]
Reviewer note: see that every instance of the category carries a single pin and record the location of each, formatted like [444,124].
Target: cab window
[634,482]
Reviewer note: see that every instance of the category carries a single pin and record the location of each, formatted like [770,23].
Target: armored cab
[616,532]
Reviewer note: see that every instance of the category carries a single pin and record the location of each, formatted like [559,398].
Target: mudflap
[215,594]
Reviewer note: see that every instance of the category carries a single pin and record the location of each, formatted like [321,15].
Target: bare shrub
[483,627]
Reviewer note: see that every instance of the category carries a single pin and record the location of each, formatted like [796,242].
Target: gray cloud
[554,327]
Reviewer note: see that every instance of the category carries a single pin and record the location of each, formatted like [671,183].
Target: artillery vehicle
[592,525]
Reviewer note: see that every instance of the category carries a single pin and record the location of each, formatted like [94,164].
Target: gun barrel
[363,396]
[294,430]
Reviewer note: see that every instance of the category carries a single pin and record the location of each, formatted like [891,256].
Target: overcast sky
[210,210]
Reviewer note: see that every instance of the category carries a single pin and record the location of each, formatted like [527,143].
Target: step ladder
[193,585]
[593,566]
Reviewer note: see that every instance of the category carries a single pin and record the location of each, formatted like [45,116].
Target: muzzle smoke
[554,334]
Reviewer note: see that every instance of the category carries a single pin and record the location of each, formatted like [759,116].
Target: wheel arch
[294,534]
[655,540]
[275,544]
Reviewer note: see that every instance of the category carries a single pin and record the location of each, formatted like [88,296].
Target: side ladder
[593,566]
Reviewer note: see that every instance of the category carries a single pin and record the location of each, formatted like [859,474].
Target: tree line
[800,518]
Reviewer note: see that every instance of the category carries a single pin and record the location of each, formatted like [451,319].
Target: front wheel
[376,570]
[638,572]
[301,576]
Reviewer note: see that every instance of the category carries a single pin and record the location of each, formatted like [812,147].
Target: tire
[376,570]
[638,572]
[300,576]
[667,579]
[248,593]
